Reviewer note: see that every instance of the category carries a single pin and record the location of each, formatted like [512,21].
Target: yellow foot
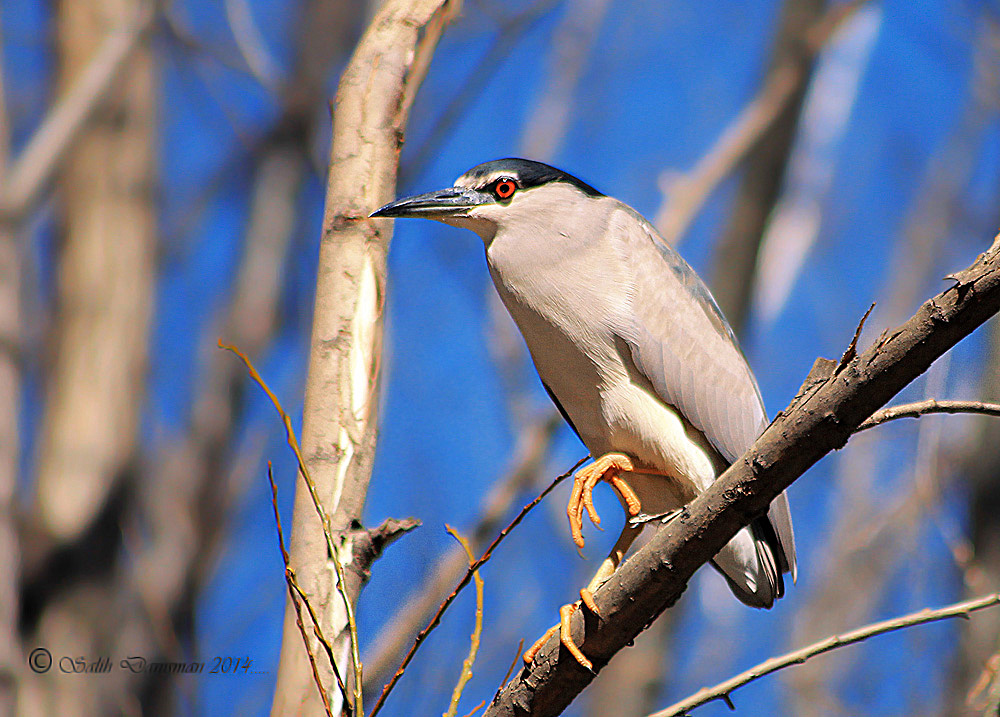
[565,613]
[608,468]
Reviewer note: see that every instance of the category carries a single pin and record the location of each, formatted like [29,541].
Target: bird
[633,350]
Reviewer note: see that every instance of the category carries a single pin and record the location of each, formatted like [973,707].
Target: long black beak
[435,205]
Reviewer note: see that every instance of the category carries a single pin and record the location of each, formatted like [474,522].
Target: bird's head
[495,194]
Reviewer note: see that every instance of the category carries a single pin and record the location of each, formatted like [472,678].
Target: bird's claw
[587,598]
[563,628]
[608,467]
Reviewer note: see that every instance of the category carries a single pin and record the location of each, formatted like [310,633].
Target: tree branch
[339,418]
[722,690]
[392,642]
[829,407]
[931,405]
[685,195]
[436,619]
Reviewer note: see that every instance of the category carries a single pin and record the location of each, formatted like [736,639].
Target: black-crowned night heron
[633,350]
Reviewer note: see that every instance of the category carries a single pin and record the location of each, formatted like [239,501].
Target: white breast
[561,305]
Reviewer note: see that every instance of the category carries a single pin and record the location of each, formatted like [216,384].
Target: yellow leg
[607,569]
[608,467]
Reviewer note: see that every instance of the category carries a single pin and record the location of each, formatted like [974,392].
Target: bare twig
[477,630]
[509,33]
[324,517]
[852,348]
[723,690]
[425,51]
[436,619]
[820,420]
[295,594]
[518,658]
[931,405]
[477,708]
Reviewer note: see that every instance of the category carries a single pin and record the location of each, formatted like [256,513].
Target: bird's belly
[574,377]
[613,413]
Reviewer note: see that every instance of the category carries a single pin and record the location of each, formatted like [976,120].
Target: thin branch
[295,594]
[820,419]
[425,52]
[518,658]
[852,348]
[477,630]
[931,405]
[34,166]
[390,644]
[571,47]
[317,630]
[477,708]
[510,32]
[723,690]
[324,518]
[436,619]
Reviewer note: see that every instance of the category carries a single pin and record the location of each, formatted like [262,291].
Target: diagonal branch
[723,690]
[473,567]
[829,407]
[685,195]
[34,167]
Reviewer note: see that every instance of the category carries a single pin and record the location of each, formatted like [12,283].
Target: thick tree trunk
[96,383]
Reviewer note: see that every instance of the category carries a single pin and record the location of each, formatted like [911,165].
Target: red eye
[504,188]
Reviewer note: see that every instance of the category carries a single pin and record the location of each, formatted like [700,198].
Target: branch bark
[343,383]
[926,407]
[830,405]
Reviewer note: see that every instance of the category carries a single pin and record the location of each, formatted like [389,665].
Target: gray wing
[683,345]
[681,342]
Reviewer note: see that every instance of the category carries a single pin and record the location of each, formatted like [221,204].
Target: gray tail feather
[780,518]
[772,562]
[770,555]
